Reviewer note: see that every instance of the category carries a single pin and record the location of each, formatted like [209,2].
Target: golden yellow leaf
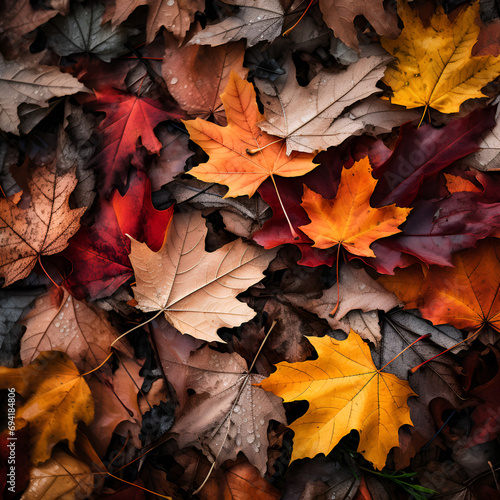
[230,163]
[345,391]
[56,398]
[349,219]
[434,65]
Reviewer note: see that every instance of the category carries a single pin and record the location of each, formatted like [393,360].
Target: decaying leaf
[345,391]
[41,229]
[256,20]
[339,16]
[195,289]
[82,31]
[25,81]
[234,145]
[56,398]
[434,66]
[349,220]
[196,76]
[228,414]
[59,322]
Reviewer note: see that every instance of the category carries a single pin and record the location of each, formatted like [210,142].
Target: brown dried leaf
[228,414]
[196,289]
[59,322]
[41,229]
[196,76]
[25,81]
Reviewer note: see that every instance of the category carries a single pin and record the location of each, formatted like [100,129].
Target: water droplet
[170,3]
[262,421]
[174,80]
[362,287]
[238,440]
[58,324]
[237,409]
[250,438]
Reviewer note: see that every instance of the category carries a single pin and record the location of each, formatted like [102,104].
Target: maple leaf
[230,148]
[196,74]
[255,20]
[56,399]
[465,295]
[41,229]
[349,220]
[434,65]
[312,125]
[100,253]
[339,16]
[59,322]
[128,118]
[345,391]
[228,413]
[26,81]
[82,31]
[196,289]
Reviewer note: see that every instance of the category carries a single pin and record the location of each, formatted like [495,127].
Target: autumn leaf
[196,289]
[56,398]
[345,391]
[306,116]
[228,414]
[26,81]
[100,253]
[128,118]
[197,74]
[232,160]
[41,229]
[255,20]
[62,476]
[465,295]
[349,220]
[434,65]
[60,322]
[339,16]
[83,31]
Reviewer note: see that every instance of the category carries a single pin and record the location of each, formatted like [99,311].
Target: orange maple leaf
[242,156]
[466,295]
[349,220]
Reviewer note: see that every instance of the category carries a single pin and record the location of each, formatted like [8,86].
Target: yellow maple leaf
[55,396]
[434,65]
[349,219]
[242,156]
[345,391]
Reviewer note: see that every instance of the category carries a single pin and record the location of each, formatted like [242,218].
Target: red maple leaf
[128,119]
[100,253]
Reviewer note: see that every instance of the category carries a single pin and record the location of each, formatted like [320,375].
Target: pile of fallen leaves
[249,249]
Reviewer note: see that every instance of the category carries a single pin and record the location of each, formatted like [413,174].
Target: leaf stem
[334,310]
[423,115]
[289,30]
[252,152]
[426,336]
[97,367]
[292,230]
[45,271]
[135,327]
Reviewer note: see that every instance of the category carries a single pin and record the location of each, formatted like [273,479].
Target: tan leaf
[24,81]
[360,298]
[59,322]
[196,76]
[305,116]
[41,229]
[196,289]
[339,15]
[62,477]
[228,414]
[255,20]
